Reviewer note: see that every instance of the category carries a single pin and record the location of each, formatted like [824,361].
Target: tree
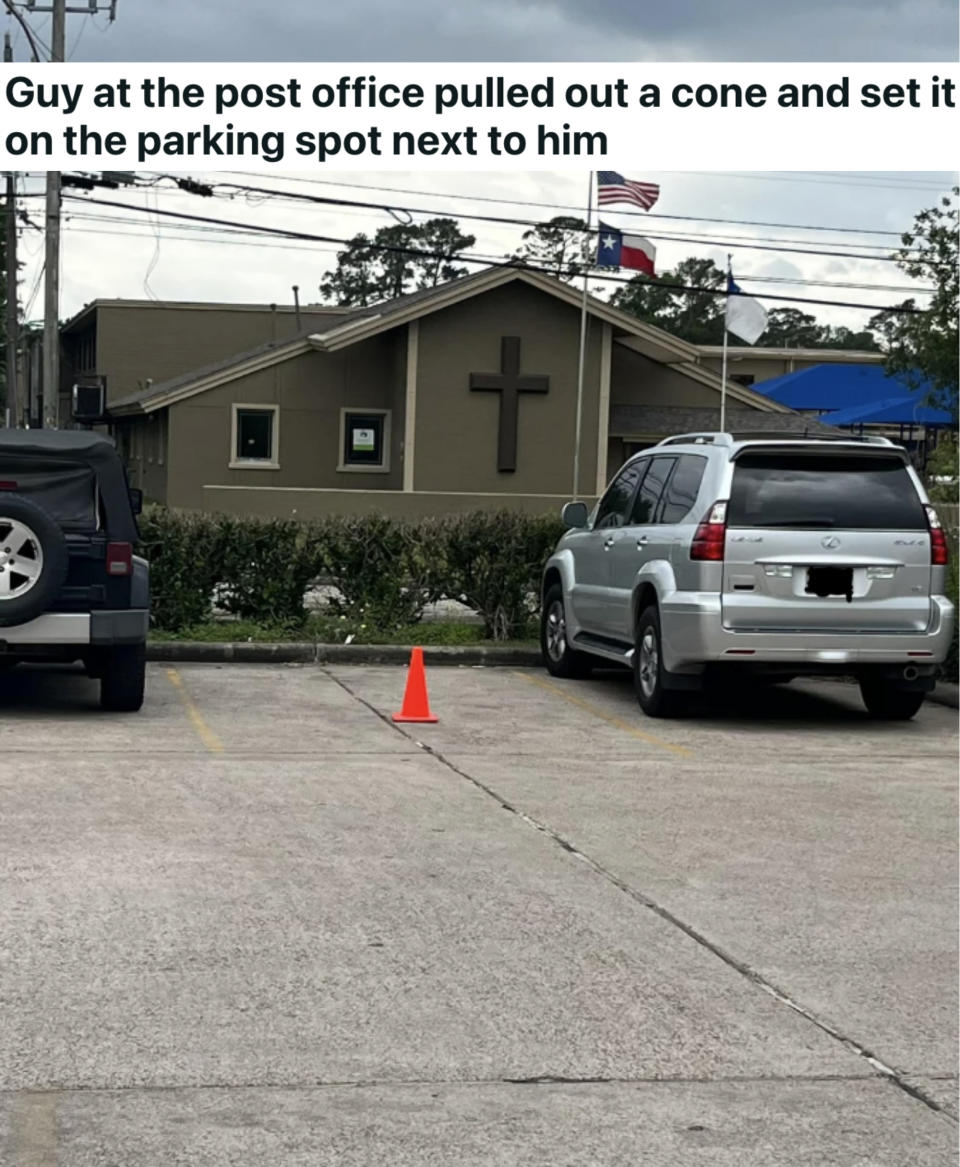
[695,316]
[839,336]
[391,264]
[355,281]
[924,345]
[561,247]
[791,328]
[443,239]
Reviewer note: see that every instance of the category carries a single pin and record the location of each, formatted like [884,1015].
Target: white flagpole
[723,363]
[583,347]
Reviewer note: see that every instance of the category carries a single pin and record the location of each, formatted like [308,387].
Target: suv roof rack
[699,439]
[728,439]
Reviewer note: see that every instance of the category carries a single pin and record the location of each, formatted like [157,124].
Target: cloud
[521,30]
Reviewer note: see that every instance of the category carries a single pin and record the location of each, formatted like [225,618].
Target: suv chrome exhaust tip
[910,673]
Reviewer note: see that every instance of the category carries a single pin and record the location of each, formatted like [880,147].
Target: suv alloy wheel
[648,670]
[561,660]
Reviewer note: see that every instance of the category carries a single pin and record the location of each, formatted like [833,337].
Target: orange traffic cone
[416,704]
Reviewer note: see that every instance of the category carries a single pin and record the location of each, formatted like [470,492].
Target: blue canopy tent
[823,388]
[857,396]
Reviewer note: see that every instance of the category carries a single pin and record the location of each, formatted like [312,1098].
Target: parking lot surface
[259,923]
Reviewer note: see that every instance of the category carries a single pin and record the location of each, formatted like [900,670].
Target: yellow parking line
[204,732]
[589,707]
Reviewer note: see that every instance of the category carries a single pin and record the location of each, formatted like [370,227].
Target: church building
[449,399]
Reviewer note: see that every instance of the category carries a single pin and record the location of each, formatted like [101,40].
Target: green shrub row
[385,571]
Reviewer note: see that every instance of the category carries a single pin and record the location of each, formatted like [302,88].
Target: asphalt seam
[895,1077]
[412,1083]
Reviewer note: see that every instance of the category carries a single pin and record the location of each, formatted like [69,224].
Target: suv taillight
[119,558]
[939,551]
[711,535]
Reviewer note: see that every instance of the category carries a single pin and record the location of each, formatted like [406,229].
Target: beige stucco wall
[636,380]
[311,390]
[456,439]
[160,342]
[766,368]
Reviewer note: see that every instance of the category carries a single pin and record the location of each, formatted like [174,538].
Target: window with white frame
[365,440]
[255,437]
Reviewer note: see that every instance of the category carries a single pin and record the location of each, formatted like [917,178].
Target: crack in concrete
[895,1077]
[413,1083]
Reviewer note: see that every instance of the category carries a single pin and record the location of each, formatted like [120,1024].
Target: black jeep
[70,586]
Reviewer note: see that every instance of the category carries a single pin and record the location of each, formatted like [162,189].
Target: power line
[734,243]
[646,215]
[31,36]
[202,234]
[790,176]
[696,237]
[466,258]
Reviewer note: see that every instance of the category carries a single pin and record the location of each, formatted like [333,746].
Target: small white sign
[364,441]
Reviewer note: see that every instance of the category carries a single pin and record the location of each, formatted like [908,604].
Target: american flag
[614,188]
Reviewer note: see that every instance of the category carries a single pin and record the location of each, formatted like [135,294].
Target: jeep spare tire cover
[33,559]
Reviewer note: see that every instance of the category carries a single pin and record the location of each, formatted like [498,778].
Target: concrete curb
[186,651]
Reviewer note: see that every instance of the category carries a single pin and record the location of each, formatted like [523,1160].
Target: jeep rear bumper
[126,626]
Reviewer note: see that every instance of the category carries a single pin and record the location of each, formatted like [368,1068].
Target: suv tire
[648,670]
[22,523]
[561,660]
[886,702]
[123,671]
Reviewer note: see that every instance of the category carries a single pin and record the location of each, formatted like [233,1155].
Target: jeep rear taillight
[939,551]
[711,535]
[8,485]
[119,558]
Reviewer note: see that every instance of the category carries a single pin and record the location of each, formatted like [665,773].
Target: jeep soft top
[45,458]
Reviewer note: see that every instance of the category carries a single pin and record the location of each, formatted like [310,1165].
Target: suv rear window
[823,490]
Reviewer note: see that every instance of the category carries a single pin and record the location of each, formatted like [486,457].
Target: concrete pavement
[258,924]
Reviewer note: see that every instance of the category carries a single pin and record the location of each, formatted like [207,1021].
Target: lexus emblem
[831,542]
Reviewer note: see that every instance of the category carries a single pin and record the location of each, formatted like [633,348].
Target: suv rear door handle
[608,543]
[642,541]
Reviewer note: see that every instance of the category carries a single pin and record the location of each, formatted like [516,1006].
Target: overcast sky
[142,256]
[520,30]
[140,259]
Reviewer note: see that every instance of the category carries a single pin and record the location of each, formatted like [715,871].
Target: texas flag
[617,249]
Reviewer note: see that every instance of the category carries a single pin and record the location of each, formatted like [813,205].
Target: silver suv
[754,555]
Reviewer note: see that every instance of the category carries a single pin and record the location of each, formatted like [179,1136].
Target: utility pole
[12,321]
[51,291]
[51,288]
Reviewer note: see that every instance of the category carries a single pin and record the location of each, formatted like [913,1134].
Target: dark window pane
[650,491]
[682,489]
[255,434]
[814,491]
[615,504]
[363,439]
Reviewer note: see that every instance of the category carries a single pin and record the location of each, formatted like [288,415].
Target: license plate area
[830,581]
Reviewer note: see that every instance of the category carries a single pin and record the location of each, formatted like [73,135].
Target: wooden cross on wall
[509,384]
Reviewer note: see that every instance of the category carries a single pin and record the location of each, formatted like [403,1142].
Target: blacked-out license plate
[830,581]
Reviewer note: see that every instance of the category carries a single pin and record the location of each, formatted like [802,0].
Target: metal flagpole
[583,348]
[723,363]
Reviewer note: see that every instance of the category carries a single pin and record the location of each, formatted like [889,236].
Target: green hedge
[385,570]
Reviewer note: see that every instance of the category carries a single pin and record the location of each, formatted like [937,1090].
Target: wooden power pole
[51,290]
[51,287]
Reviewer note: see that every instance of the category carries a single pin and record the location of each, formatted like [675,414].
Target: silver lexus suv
[751,556]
